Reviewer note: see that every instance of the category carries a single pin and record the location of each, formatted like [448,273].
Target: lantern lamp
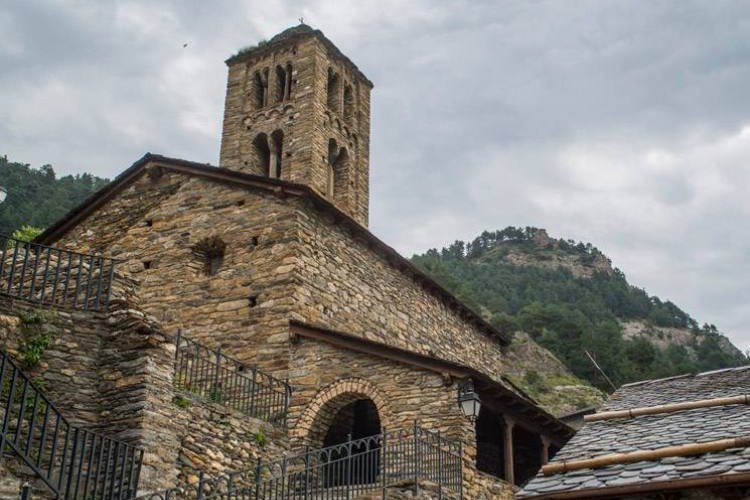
[468,400]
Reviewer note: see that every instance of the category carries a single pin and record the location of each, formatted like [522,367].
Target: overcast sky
[622,123]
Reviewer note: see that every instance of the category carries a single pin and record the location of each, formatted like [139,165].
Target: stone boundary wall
[482,486]
[113,374]
[69,367]
[215,439]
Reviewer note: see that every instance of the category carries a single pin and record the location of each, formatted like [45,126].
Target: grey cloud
[485,114]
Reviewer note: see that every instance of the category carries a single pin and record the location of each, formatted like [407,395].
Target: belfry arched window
[333,90]
[338,173]
[280,83]
[276,146]
[348,104]
[260,88]
[289,81]
[262,154]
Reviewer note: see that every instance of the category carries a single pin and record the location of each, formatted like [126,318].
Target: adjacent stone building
[267,257]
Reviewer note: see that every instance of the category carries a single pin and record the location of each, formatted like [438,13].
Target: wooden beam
[668,408]
[646,455]
[508,449]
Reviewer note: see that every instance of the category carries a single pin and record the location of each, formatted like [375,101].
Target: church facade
[267,259]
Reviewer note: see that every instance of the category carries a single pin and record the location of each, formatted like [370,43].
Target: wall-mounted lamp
[468,400]
[3,194]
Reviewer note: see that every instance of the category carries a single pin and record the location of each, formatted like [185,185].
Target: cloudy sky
[622,123]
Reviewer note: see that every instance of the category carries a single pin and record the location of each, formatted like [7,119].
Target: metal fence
[210,374]
[75,464]
[371,466]
[53,276]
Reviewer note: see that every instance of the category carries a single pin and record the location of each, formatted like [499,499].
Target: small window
[210,251]
[260,89]
[333,90]
[348,104]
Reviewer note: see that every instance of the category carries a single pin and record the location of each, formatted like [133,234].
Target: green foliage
[182,402]
[38,198]
[260,438]
[27,233]
[35,317]
[569,314]
[33,349]
[34,340]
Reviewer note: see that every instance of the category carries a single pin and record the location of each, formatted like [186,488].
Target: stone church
[239,316]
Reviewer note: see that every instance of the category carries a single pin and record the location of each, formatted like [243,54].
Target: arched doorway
[351,445]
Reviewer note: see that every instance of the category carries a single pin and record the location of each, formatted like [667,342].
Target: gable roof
[280,188]
[666,426]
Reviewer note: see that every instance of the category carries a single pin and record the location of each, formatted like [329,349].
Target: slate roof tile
[657,431]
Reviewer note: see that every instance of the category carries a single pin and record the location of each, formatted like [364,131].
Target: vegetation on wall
[34,339]
[37,197]
[573,312]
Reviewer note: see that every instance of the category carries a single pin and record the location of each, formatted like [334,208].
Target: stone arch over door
[320,413]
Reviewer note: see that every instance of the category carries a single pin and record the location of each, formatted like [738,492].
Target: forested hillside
[36,197]
[568,298]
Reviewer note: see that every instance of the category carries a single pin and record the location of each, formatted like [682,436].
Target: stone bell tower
[299,110]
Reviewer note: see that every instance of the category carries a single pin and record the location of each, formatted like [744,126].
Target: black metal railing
[213,376]
[407,458]
[74,463]
[53,276]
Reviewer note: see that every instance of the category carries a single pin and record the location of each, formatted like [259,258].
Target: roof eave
[672,485]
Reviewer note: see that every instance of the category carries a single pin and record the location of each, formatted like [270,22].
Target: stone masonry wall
[402,394]
[244,306]
[293,260]
[113,373]
[348,286]
[215,439]
[68,370]
[305,119]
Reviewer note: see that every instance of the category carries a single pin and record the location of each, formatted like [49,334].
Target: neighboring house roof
[513,398]
[280,188]
[669,417]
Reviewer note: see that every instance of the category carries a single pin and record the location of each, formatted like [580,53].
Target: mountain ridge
[567,297]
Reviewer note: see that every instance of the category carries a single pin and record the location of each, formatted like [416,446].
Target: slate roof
[650,432]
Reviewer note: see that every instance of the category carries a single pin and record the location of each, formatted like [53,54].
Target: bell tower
[298,109]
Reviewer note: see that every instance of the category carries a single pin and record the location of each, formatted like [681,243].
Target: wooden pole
[545,450]
[508,449]
[646,455]
[668,408]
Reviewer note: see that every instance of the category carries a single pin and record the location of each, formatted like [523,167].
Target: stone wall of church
[325,376]
[284,259]
[401,393]
[243,307]
[348,286]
